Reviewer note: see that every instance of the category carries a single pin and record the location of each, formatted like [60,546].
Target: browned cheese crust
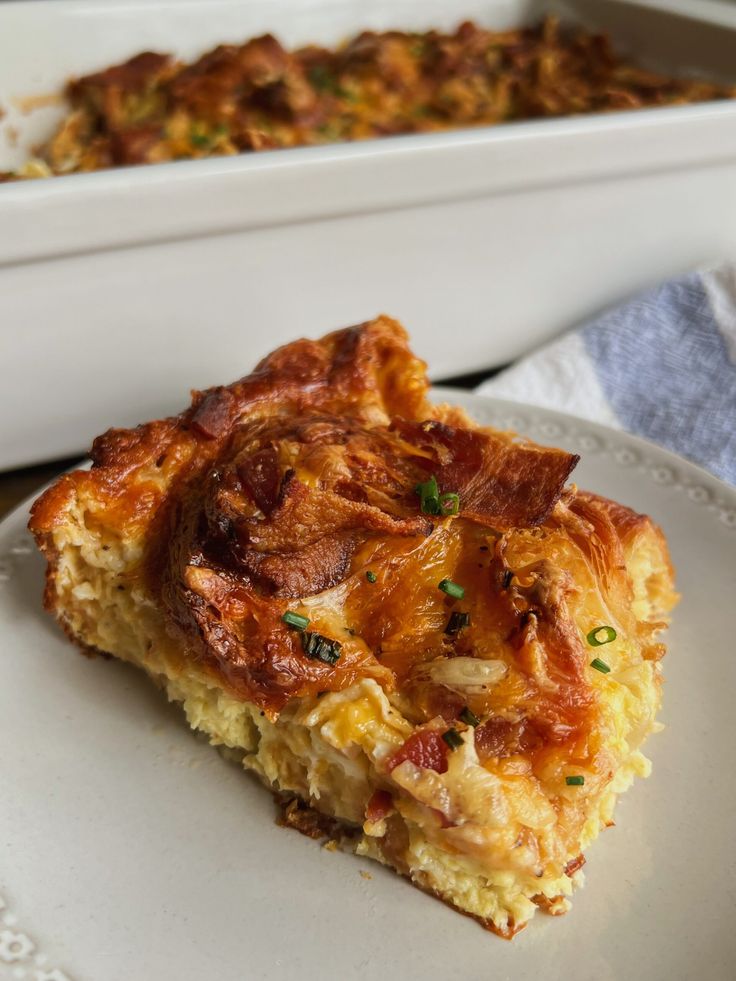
[459,715]
[259,96]
[274,487]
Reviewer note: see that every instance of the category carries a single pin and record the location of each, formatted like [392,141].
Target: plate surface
[130,850]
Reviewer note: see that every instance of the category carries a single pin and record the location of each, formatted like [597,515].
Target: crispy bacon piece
[499,738]
[500,482]
[379,806]
[261,476]
[425,748]
[213,415]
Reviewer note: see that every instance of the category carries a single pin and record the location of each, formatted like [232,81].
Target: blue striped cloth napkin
[663,366]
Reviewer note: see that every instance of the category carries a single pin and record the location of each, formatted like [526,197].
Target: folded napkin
[662,366]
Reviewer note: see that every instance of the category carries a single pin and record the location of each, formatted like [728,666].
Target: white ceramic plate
[131,851]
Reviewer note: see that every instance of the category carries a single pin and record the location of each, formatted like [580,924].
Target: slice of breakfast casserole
[405,622]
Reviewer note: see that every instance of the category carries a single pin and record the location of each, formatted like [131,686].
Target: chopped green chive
[429,496]
[331,130]
[601,635]
[432,502]
[456,622]
[450,503]
[371,576]
[451,588]
[321,78]
[199,139]
[295,620]
[321,648]
[470,718]
[600,665]
[574,781]
[453,738]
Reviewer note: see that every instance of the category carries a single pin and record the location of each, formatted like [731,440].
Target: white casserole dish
[121,289]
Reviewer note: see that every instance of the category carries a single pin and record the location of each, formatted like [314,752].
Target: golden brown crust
[259,96]
[507,932]
[453,649]
[269,489]
[295,813]
[300,816]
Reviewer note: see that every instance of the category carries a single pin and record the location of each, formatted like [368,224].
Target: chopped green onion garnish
[295,620]
[321,648]
[429,495]
[450,503]
[451,588]
[600,665]
[199,139]
[321,78]
[371,576]
[600,636]
[574,781]
[453,738]
[432,502]
[456,622]
[470,718]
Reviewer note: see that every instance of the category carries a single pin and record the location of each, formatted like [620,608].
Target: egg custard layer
[407,621]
